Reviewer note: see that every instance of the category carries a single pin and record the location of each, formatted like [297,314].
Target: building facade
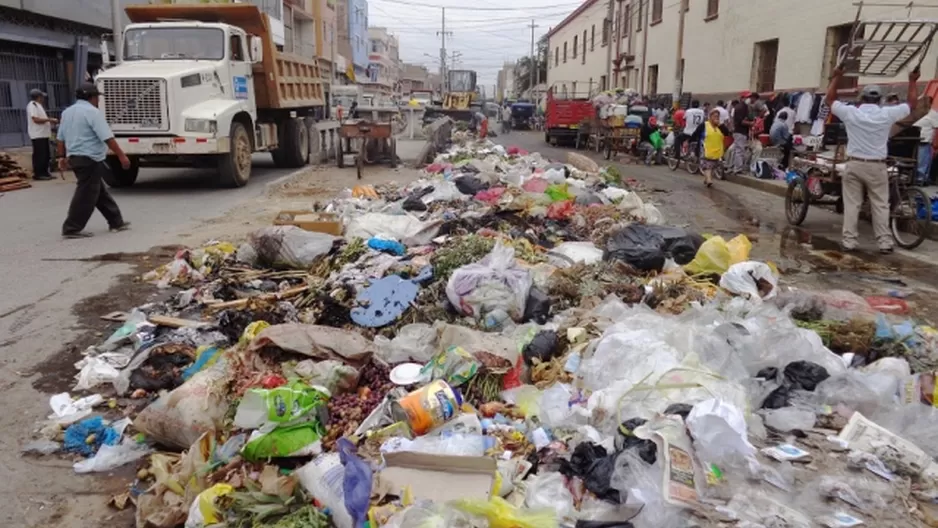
[729,46]
[578,51]
[505,83]
[383,62]
[414,77]
[359,45]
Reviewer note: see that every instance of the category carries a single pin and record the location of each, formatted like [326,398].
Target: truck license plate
[161,148]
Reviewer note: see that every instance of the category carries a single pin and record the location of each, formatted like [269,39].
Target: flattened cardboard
[465,477]
[328,223]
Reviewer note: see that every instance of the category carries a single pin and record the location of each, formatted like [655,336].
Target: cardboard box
[465,477]
[328,223]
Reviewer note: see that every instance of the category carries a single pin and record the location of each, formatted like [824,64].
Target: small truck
[203,85]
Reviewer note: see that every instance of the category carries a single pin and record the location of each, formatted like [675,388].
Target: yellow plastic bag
[716,255]
[207,499]
[251,331]
[502,514]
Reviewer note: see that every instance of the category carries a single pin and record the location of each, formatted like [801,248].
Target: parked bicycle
[689,155]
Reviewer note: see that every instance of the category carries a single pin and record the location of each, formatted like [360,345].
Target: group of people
[83,141]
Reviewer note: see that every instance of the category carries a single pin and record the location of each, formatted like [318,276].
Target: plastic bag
[501,514]
[413,342]
[334,376]
[357,482]
[88,436]
[544,346]
[454,365]
[495,282]
[569,253]
[637,245]
[296,440]
[197,406]
[752,280]
[561,210]
[559,192]
[788,419]
[279,406]
[111,457]
[719,431]
[290,247]
[469,185]
[595,466]
[409,230]
[203,511]
[95,371]
[716,255]
[324,479]
[450,445]
[548,490]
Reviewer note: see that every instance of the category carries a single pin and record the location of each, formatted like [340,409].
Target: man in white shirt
[724,113]
[868,127]
[928,145]
[39,127]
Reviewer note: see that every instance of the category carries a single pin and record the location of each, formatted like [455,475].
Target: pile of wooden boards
[12,176]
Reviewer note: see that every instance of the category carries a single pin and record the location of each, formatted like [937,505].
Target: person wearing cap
[868,126]
[84,140]
[39,127]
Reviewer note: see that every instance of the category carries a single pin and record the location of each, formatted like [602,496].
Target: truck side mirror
[257,49]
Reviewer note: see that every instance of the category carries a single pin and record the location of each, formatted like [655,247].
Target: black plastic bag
[545,346]
[637,245]
[469,185]
[625,439]
[678,243]
[537,307]
[805,375]
[588,198]
[780,397]
[591,463]
[768,373]
[413,203]
[680,409]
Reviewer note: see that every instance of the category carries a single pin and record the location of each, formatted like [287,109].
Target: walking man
[84,140]
[39,128]
[506,119]
[928,145]
[868,127]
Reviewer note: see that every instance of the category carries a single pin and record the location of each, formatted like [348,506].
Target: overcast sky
[483,32]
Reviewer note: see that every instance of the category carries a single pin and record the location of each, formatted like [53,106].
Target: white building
[578,50]
[729,46]
[384,65]
[505,82]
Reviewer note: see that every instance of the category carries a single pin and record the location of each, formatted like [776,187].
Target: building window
[765,59]
[657,11]
[574,46]
[713,9]
[606,24]
[584,47]
[557,56]
[838,36]
[593,38]
[626,20]
[653,79]
[564,52]
[640,19]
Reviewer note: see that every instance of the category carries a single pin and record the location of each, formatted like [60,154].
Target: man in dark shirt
[646,144]
[741,124]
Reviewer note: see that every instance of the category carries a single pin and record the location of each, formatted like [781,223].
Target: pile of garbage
[506,342]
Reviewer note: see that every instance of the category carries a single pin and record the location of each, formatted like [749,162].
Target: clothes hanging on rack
[803,110]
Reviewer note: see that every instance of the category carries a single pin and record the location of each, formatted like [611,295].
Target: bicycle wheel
[692,164]
[797,199]
[910,218]
[673,162]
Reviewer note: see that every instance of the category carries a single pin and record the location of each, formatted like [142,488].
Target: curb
[269,187]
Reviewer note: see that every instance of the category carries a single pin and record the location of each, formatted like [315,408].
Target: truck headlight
[201,126]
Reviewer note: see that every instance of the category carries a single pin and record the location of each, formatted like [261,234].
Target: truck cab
[201,86]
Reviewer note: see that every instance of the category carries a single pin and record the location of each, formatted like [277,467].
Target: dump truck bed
[281,80]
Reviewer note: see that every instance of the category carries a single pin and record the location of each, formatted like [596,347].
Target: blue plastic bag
[77,434]
[356,484]
[388,246]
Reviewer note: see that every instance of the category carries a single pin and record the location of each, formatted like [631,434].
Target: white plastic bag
[111,457]
[324,479]
[95,370]
[548,490]
[414,342]
[569,253]
[406,228]
[719,431]
[66,411]
[494,283]
[289,246]
[745,279]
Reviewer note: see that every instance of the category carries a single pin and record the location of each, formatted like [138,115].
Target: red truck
[563,116]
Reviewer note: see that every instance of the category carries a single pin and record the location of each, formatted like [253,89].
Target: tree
[525,64]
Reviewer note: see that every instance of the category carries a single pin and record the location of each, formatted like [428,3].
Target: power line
[419,4]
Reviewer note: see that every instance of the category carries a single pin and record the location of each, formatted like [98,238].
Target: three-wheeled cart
[368,141]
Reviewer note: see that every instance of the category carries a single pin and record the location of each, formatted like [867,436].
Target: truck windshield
[174,44]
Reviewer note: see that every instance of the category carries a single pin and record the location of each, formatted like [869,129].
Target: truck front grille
[134,102]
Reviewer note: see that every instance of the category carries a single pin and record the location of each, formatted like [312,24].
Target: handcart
[368,141]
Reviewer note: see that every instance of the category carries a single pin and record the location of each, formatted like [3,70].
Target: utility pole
[532,59]
[116,30]
[607,33]
[443,33]
[678,69]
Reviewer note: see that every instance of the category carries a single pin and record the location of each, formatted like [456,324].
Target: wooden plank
[12,179]
[15,186]
[241,303]
[161,320]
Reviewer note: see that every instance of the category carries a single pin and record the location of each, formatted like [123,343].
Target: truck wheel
[234,166]
[294,145]
[120,177]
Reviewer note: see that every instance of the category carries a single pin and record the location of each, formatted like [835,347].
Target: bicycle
[688,155]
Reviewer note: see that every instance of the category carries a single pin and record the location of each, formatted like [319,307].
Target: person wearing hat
[868,126]
[39,128]
[84,140]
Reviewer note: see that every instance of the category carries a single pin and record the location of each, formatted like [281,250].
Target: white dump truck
[203,85]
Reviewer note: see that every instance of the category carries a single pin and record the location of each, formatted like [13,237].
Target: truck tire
[118,176]
[293,150]
[234,166]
